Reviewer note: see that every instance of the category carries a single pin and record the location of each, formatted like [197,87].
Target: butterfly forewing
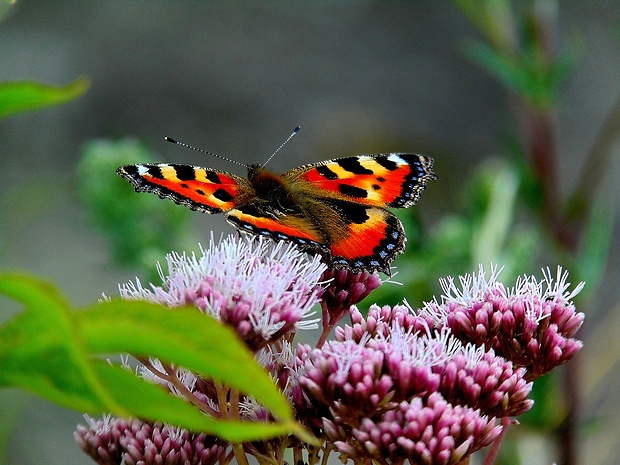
[383,180]
[198,188]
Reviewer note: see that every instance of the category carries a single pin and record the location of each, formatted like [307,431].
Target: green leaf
[596,243]
[524,72]
[22,96]
[149,401]
[183,336]
[53,351]
[41,352]
[493,18]
[503,67]
[489,242]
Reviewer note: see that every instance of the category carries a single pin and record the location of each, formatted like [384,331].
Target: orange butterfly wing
[211,191]
[201,189]
[363,235]
[393,180]
[259,219]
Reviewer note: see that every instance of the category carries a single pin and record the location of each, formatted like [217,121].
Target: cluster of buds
[532,324]
[112,441]
[422,430]
[395,385]
[264,293]
[372,384]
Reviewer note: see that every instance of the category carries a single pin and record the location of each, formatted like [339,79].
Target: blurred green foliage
[24,96]
[514,52]
[140,229]
[520,49]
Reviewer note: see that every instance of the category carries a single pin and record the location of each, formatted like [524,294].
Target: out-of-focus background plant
[518,102]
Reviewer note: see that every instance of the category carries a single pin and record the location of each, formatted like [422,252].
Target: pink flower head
[533,324]
[422,430]
[262,290]
[484,381]
[380,321]
[112,441]
[355,378]
[344,289]
[347,377]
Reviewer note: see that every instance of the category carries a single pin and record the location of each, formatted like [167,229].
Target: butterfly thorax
[272,188]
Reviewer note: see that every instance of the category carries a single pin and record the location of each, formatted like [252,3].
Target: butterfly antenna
[172,141]
[295,131]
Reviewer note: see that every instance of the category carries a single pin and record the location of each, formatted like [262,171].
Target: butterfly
[336,208]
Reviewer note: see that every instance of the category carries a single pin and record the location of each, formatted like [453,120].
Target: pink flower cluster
[112,441]
[533,324]
[372,386]
[261,290]
[422,430]
[395,385]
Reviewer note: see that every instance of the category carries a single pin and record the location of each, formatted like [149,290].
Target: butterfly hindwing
[201,189]
[362,237]
[258,219]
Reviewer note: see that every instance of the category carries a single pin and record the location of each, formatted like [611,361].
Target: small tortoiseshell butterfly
[336,208]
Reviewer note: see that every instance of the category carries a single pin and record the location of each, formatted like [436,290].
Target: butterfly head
[254,171]
[270,186]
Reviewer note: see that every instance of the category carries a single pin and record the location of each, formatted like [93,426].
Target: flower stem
[326,330]
[492,455]
[240,454]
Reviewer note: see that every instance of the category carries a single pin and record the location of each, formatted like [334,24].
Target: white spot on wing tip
[394,157]
[142,170]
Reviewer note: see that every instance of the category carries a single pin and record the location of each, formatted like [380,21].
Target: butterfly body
[336,208]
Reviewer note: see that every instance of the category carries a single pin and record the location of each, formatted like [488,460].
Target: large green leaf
[149,401]
[22,96]
[40,351]
[184,336]
[55,352]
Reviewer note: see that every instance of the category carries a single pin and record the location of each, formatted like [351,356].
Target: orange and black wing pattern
[201,189]
[337,208]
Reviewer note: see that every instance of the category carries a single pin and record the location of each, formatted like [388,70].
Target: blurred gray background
[235,78]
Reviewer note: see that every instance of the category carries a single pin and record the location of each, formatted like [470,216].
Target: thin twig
[597,165]
[233,413]
[326,330]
